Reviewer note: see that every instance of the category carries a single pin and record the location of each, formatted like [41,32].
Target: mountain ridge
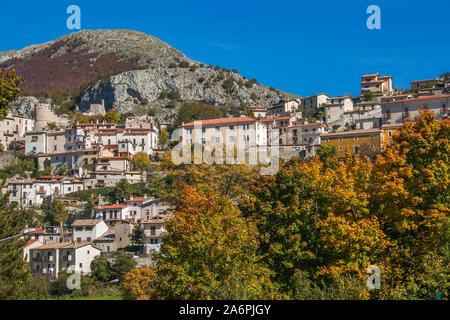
[110,64]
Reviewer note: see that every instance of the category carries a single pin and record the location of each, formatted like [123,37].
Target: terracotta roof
[419,99]
[427,80]
[111,206]
[85,222]
[30,242]
[36,231]
[155,220]
[137,132]
[276,119]
[211,122]
[116,158]
[392,126]
[140,199]
[68,152]
[52,177]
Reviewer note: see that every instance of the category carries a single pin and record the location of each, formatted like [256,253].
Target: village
[86,156]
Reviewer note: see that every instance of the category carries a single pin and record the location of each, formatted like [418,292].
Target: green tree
[137,236]
[101,269]
[123,263]
[122,190]
[191,111]
[9,89]
[15,278]
[55,214]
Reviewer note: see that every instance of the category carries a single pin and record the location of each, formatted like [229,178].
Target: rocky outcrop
[121,92]
[24,106]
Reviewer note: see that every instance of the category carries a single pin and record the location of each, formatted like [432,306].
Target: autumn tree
[141,161]
[409,194]
[112,117]
[163,138]
[139,284]
[9,89]
[210,246]
[315,219]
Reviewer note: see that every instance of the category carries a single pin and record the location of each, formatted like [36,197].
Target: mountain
[127,69]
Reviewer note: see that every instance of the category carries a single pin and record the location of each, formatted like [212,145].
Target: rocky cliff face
[126,69]
[123,91]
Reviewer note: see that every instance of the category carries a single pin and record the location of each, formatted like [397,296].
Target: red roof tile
[111,206]
[418,99]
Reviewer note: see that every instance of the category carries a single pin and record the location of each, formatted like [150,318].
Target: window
[203,129]
[203,141]
[356,138]
[152,231]
[231,138]
[217,139]
[231,126]
[81,265]
[390,133]
[217,128]
[34,139]
[340,139]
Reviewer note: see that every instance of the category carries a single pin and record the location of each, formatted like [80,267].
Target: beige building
[399,111]
[315,101]
[376,83]
[14,128]
[117,237]
[284,107]
[240,131]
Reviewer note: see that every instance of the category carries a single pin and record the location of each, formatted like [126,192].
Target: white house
[135,206]
[35,142]
[78,257]
[88,229]
[112,213]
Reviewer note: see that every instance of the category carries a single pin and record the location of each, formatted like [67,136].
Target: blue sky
[303,47]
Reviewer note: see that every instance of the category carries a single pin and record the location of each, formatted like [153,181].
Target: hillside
[127,68]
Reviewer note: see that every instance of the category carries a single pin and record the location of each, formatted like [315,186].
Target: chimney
[131,197]
[145,196]
[117,201]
